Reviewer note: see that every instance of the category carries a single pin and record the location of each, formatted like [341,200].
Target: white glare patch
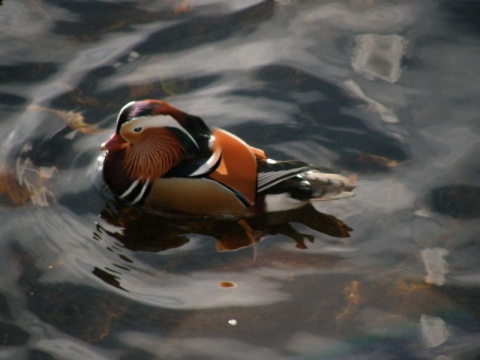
[211,142]
[422,213]
[232,322]
[133,56]
[379,56]
[435,265]
[434,331]
[384,112]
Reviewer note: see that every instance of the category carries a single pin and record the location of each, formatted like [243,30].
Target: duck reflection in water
[148,231]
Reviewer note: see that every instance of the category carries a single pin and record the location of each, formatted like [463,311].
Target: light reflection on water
[386,91]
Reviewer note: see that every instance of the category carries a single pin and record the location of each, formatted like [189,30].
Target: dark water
[385,90]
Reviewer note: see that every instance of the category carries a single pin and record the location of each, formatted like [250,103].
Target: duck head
[153,138]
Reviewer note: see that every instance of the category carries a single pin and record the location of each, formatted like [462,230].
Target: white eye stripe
[148,122]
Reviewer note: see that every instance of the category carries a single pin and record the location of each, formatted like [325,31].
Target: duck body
[168,160]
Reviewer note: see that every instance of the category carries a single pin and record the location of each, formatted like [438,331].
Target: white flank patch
[282,202]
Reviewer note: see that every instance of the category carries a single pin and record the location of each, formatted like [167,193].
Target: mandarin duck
[168,160]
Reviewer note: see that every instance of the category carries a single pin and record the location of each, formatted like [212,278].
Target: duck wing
[301,181]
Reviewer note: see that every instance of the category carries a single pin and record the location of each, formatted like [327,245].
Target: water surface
[385,90]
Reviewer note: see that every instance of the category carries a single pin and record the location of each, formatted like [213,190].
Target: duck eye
[137,129]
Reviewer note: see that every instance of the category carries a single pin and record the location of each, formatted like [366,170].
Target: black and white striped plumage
[164,158]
